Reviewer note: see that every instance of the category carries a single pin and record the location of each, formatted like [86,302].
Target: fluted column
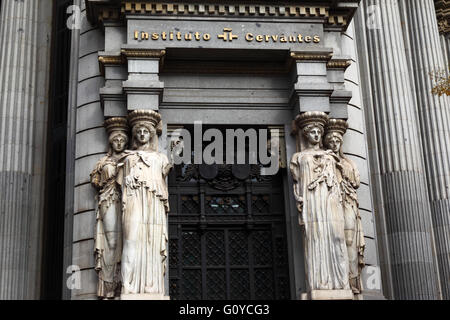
[24,59]
[445,45]
[401,167]
[434,114]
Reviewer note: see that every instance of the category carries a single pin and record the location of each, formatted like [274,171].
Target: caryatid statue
[145,207]
[108,236]
[319,201]
[349,180]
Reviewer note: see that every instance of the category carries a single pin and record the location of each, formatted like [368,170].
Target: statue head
[313,133]
[117,129]
[118,141]
[145,125]
[312,126]
[333,141]
[335,130]
[143,133]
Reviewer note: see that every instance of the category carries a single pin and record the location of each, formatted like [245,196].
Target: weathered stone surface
[25,33]
[89,116]
[399,159]
[84,196]
[434,114]
[90,142]
[83,255]
[84,226]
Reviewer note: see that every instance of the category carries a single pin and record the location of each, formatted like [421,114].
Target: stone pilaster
[143,88]
[311,88]
[25,35]
[400,164]
[434,114]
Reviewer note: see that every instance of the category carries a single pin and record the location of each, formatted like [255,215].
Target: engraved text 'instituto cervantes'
[227,36]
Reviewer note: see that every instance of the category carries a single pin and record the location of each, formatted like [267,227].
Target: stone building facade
[230,64]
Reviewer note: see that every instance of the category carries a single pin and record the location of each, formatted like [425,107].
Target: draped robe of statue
[322,217]
[145,207]
[350,182]
[108,236]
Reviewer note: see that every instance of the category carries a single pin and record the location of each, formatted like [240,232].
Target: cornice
[120,59]
[339,64]
[143,53]
[334,13]
[311,56]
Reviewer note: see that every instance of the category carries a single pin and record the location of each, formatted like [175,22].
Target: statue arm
[298,189]
[96,176]
[357,181]
[120,173]
[355,177]
[166,166]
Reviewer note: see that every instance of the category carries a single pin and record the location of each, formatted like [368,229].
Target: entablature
[333,13]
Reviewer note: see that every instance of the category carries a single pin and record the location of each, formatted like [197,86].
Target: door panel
[227,236]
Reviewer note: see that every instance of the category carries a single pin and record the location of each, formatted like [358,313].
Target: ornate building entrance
[227,234]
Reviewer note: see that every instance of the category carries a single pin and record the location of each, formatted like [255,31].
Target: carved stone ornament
[131,236]
[349,181]
[319,195]
[108,235]
[145,207]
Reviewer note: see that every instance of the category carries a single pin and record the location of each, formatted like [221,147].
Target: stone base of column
[144,296]
[328,295]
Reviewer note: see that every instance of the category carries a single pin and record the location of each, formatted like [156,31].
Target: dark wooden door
[227,235]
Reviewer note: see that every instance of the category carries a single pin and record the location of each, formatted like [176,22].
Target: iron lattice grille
[227,244]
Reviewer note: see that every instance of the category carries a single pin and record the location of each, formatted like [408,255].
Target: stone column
[401,166]
[434,114]
[25,38]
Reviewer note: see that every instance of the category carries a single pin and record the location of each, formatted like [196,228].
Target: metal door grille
[227,238]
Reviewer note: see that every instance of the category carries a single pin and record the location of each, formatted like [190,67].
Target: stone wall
[215,99]
[90,146]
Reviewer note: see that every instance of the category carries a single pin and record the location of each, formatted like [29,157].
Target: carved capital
[116,124]
[341,64]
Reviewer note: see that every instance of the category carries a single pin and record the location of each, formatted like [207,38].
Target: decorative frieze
[329,12]
[144,53]
[136,7]
[339,64]
[311,56]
